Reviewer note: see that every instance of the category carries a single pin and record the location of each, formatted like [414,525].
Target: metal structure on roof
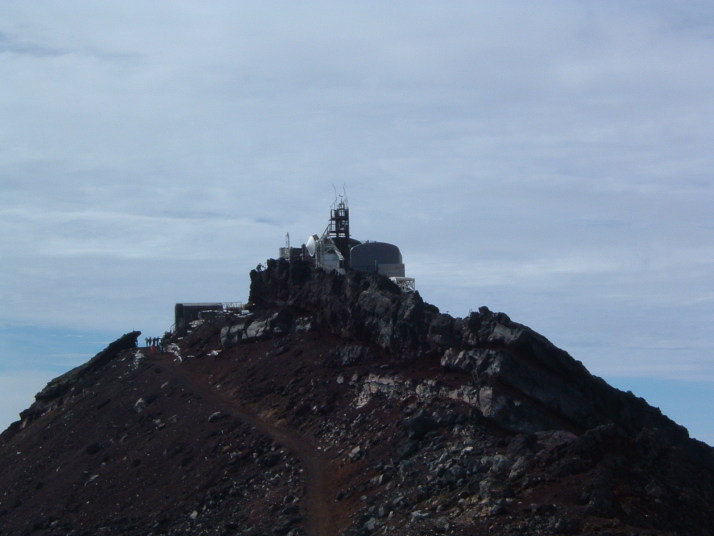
[338,230]
[336,250]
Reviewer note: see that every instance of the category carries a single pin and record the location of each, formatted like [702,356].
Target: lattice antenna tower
[339,228]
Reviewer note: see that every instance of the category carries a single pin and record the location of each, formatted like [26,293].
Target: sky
[549,160]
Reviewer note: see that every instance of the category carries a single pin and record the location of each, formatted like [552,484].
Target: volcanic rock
[342,406]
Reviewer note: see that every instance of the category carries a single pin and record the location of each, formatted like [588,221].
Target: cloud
[11,45]
[550,161]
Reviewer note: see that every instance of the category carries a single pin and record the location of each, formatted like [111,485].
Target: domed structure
[377,257]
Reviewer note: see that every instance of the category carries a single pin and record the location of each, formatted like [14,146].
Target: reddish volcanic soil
[307,431]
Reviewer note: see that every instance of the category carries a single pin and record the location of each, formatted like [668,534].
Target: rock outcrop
[75,380]
[341,406]
[519,379]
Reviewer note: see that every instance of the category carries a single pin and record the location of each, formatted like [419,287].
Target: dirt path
[320,487]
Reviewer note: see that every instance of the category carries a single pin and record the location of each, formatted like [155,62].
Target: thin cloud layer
[550,161]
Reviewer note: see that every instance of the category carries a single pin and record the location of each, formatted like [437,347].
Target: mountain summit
[338,404]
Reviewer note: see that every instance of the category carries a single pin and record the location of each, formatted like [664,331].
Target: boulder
[420,425]
[232,335]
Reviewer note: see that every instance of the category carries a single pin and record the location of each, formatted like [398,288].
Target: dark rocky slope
[342,406]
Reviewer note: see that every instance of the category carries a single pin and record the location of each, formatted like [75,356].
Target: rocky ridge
[341,405]
[518,379]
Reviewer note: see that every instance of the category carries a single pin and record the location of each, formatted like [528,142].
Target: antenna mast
[339,227]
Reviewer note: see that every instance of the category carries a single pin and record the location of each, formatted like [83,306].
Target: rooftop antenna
[286,253]
[338,230]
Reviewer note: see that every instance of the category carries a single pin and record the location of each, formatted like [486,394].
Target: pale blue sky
[549,160]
